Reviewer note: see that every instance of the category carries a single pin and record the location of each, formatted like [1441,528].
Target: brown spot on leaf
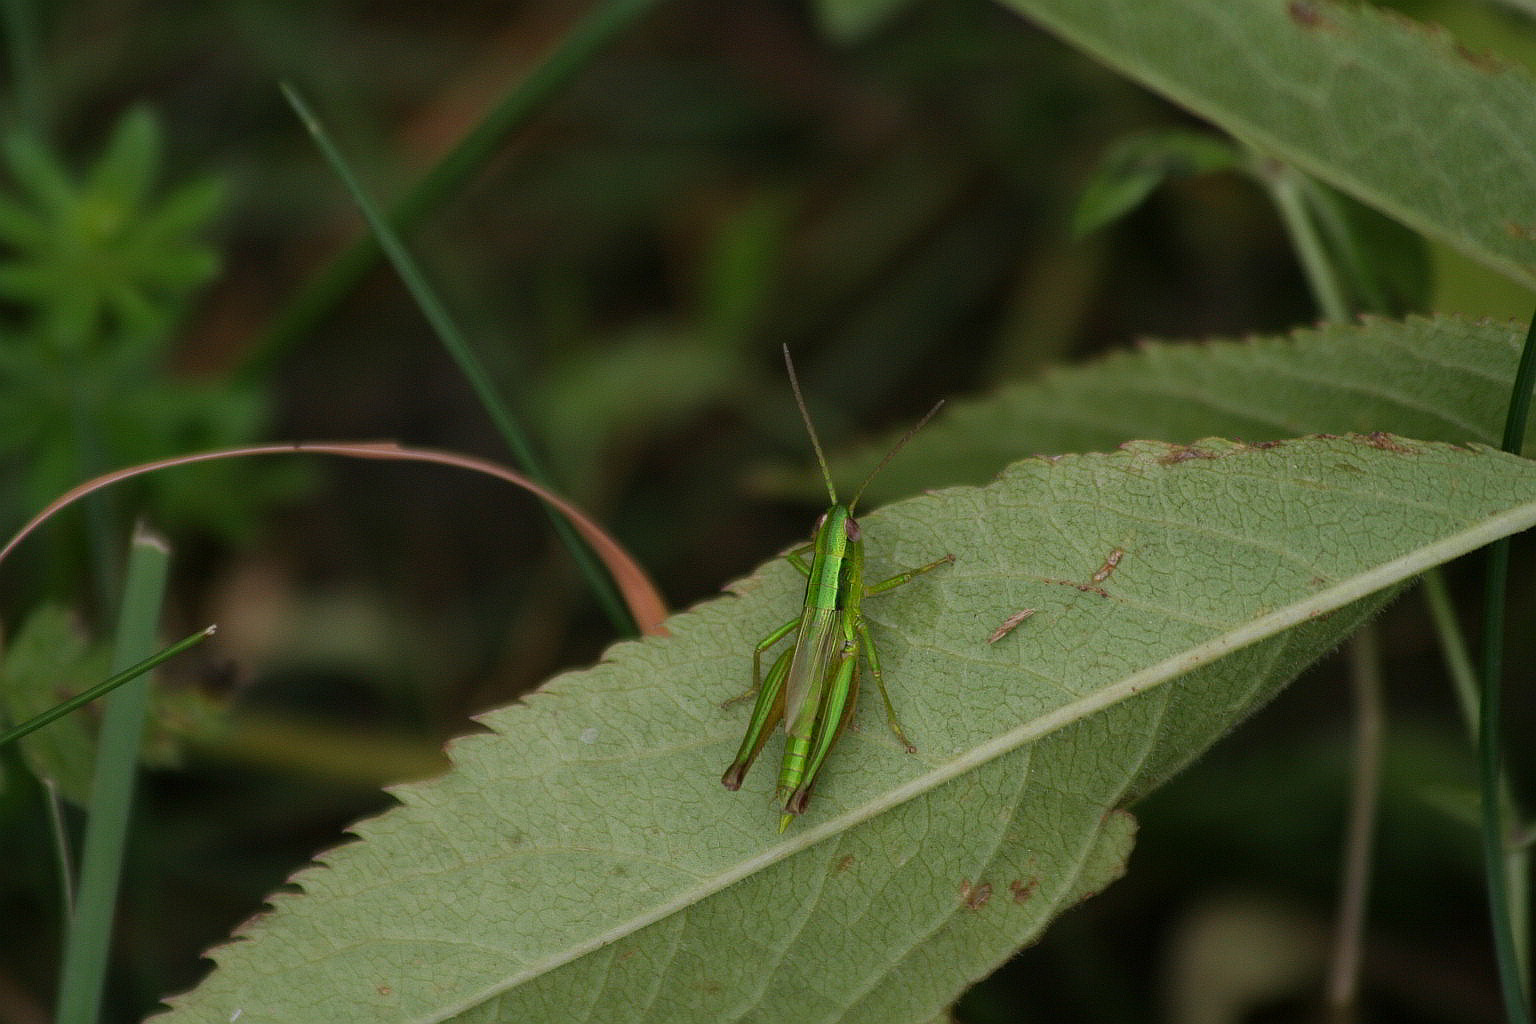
[1010,624]
[1185,453]
[1022,890]
[1306,14]
[1387,443]
[1482,60]
[974,897]
[1109,565]
[1087,588]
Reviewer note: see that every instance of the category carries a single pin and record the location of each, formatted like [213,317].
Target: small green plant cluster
[98,264]
[98,270]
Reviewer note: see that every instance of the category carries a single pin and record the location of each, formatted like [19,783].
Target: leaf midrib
[1137,683]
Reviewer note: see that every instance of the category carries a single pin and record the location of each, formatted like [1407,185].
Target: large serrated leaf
[1390,111]
[1433,378]
[582,862]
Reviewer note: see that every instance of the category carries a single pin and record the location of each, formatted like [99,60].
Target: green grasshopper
[814,685]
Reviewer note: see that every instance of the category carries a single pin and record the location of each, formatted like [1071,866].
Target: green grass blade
[104,687]
[468,362]
[605,24]
[62,854]
[1459,664]
[90,931]
[1287,188]
[1496,843]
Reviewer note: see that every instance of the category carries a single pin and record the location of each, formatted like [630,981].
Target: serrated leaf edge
[1261,628]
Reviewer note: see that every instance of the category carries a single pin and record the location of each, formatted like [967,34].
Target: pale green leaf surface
[583,863]
[1383,108]
[1432,378]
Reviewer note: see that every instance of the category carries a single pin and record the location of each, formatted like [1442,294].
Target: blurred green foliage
[888,187]
[98,264]
[97,271]
[1137,165]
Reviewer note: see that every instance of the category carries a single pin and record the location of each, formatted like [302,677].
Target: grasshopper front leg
[906,577]
[757,661]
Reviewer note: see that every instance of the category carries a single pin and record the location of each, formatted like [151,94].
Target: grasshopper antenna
[892,453]
[821,459]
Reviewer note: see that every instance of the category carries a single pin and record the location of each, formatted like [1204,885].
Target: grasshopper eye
[821,521]
[851,529]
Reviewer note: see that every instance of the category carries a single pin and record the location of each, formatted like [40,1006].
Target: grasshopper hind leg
[766,714]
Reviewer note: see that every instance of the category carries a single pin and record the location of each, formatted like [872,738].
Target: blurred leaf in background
[48,660]
[51,659]
[1136,165]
